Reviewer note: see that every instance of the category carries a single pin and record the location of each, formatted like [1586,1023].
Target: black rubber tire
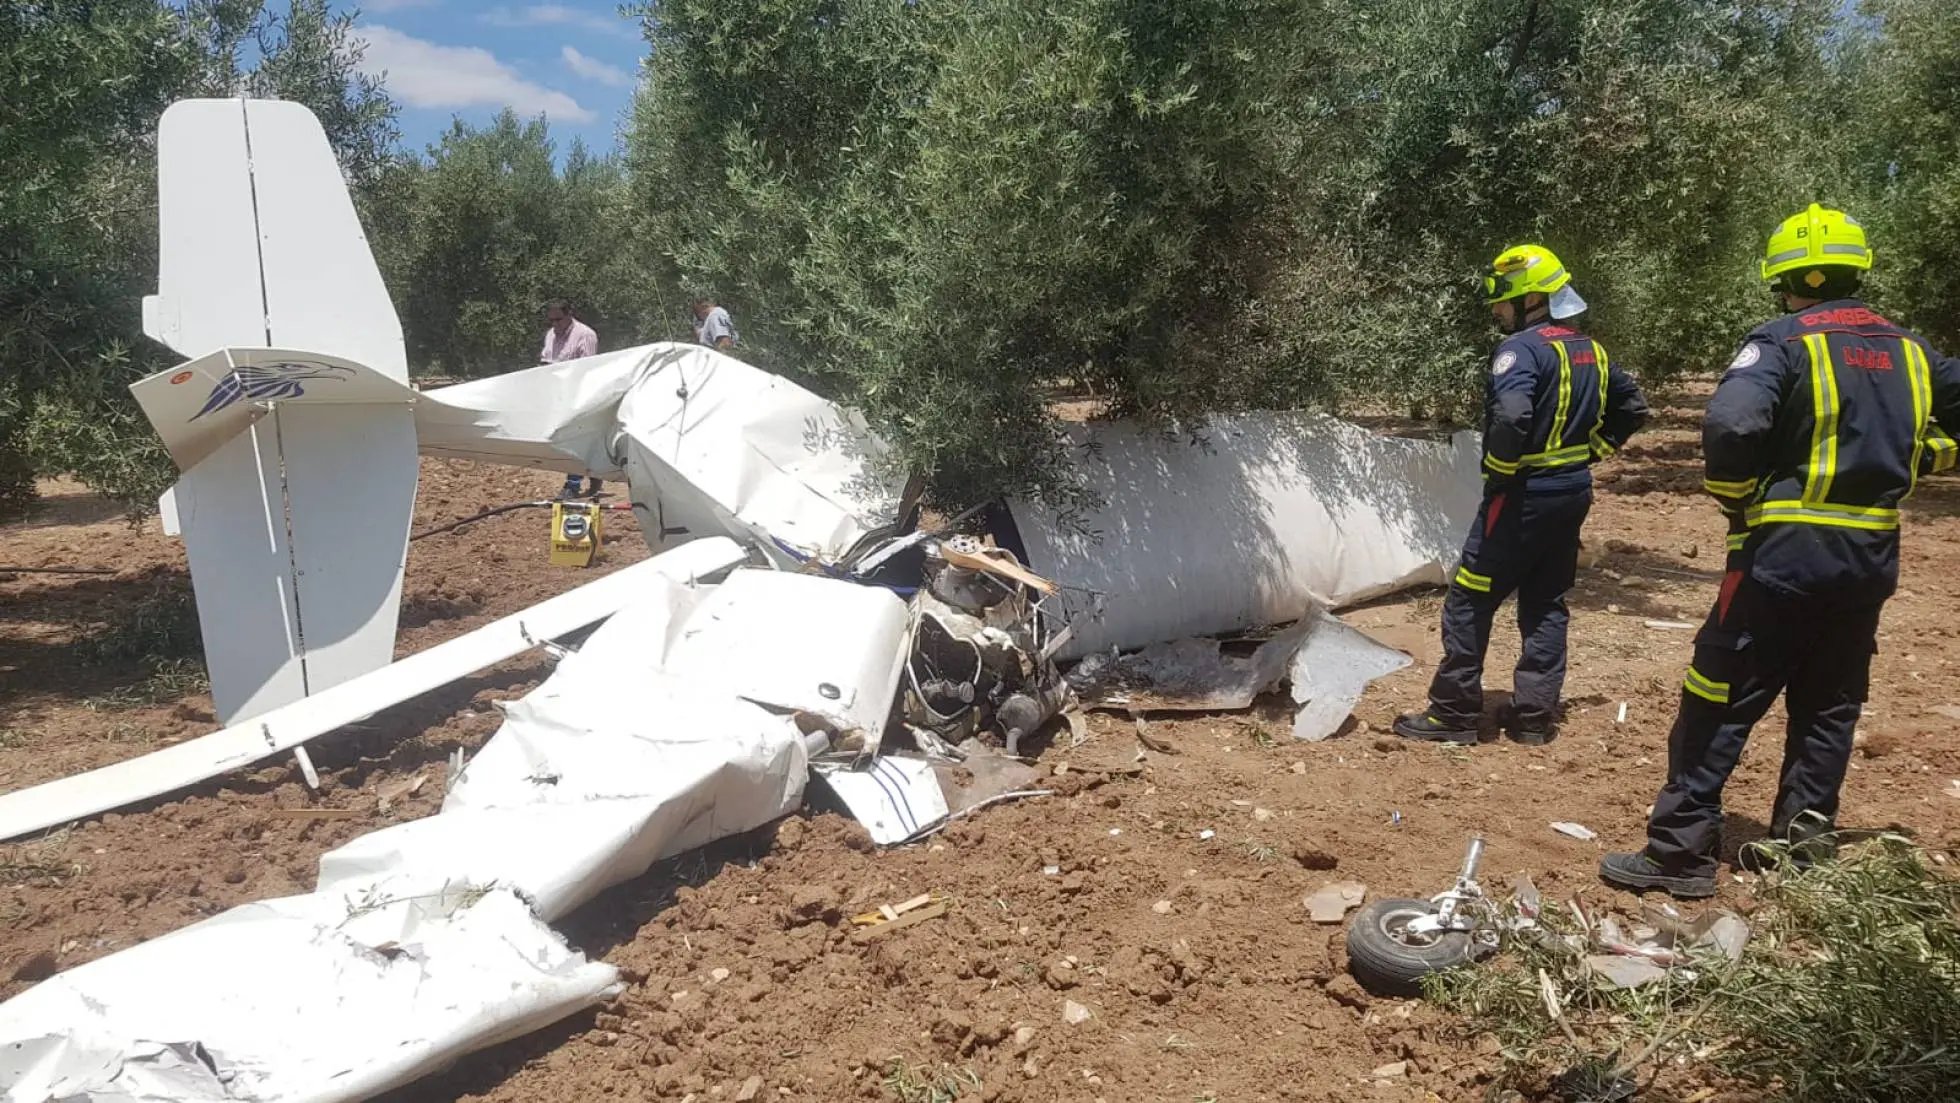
[1388,966]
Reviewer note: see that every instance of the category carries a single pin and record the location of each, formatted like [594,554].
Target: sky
[575,62]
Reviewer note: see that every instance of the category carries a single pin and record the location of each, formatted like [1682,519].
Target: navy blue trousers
[1758,644]
[1520,543]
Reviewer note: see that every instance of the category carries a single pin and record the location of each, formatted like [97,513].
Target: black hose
[57,570]
[491,512]
[494,511]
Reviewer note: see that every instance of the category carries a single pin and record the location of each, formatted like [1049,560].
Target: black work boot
[1641,873]
[1532,733]
[1426,727]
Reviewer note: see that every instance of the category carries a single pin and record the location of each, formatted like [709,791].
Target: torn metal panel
[610,765]
[645,742]
[1328,663]
[559,417]
[713,445]
[829,649]
[319,1012]
[1252,521]
[895,797]
[173,768]
[981,776]
[1190,675]
[1330,672]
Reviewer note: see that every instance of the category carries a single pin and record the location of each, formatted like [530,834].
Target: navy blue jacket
[1820,428]
[1553,406]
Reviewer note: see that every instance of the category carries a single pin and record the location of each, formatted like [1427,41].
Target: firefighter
[1553,406]
[1824,421]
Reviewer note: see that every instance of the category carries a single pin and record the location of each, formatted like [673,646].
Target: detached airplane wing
[292,421]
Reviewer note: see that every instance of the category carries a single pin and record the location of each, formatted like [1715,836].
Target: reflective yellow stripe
[1557,435]
[1470,580]
[1945,451]
[1823,513]
[1599,419]
[1500,466]
[1722,489]
[1737,540]
[1824,413]
[1927,435]
[1600,448]
[1919,379]
[1705,687]
[1575,454]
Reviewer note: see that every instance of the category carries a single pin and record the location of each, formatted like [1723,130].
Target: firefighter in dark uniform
[1553,406]
[1820,428]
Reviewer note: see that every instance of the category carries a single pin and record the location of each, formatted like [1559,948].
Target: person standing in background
[568,339]
[712,326]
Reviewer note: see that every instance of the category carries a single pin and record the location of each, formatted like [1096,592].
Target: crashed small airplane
[774,517]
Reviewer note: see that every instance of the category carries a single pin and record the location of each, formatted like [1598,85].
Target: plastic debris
[1578,831]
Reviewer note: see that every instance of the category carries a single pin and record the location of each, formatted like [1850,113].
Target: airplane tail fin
[299,468]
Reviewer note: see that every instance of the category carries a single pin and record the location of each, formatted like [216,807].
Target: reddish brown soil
[1202,975]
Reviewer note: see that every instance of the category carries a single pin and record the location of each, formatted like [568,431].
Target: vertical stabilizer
[296,526]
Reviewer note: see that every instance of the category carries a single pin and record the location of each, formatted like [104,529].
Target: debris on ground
[1327,663]
[1331,903]
[1578,831]
[387,795]
[896,917]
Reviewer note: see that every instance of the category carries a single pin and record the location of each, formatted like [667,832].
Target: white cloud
[426,74]
[591,68]
[553,15]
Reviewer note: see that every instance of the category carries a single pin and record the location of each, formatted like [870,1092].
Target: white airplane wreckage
[794,619]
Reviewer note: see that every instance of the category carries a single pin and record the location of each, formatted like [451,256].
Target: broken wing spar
[161,772]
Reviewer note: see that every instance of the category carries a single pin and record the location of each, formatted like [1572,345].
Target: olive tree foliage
[477,235]
[934,210]
[940,209]
[1651,143]
[84,82]
[1899,119]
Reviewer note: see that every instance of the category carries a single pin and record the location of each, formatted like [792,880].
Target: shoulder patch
[1750,353]
[1504,362]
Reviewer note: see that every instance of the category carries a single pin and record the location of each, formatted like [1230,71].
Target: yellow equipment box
[574,534]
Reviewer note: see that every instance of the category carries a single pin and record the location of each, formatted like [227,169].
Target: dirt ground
[1173,915]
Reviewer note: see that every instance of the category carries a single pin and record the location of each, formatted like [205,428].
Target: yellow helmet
[1817,238]
[1523,269]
